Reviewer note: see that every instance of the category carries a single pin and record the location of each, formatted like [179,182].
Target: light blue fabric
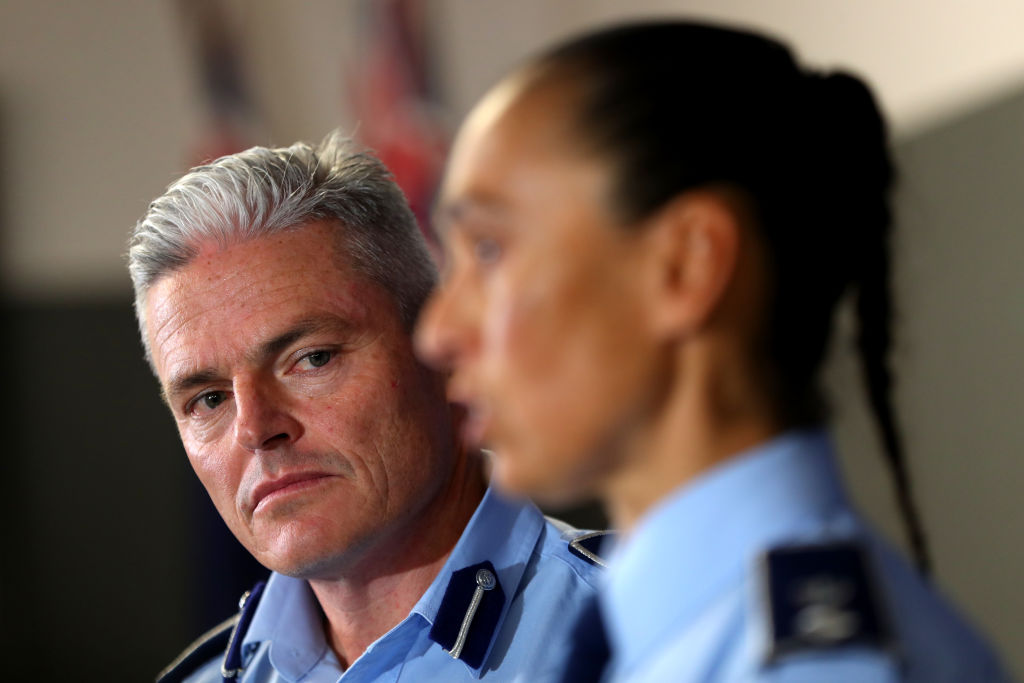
[683,599]
[545,586]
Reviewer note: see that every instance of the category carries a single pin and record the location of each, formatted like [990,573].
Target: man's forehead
[254,290]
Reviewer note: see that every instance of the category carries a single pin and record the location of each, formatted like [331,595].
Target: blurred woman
[649,230]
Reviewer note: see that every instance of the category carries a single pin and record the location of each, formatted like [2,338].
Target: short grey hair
[261,191]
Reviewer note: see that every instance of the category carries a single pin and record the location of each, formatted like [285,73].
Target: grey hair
[261,191]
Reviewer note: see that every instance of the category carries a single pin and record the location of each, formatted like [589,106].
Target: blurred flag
[230,112]
[395,100]
[220,568]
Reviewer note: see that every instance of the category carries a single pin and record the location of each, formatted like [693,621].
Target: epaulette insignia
[587,546]
[468,616]
[820,597]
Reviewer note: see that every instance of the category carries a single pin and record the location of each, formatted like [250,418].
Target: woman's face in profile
[540,316]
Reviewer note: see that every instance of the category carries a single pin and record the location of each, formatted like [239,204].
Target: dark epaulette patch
[588,545]
[233,661]
[467,618]
[821,597]
[208,646]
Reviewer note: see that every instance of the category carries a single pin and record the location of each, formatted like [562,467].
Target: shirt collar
[709,532]
[289,617]
[501,531]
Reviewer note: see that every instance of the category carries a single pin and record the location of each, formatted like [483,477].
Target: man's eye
[318,359]
[206,403]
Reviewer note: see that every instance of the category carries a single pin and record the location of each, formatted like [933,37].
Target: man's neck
[377,593]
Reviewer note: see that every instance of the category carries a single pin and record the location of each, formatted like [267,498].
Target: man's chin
[307,554]
[305,564]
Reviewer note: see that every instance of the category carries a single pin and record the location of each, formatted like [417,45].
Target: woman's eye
[206,403]
[487,250]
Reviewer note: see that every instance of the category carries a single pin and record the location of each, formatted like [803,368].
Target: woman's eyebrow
[478,207]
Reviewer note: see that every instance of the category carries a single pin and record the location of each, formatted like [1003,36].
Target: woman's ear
[694,249]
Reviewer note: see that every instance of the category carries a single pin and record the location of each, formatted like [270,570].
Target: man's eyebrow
[268,349]
[183,383]
[297,331]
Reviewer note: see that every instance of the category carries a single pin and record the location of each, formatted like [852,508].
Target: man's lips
[297,481]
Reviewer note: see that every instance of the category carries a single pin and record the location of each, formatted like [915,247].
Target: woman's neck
[711,413]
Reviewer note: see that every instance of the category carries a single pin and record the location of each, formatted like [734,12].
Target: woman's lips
[477,419]
[476,425]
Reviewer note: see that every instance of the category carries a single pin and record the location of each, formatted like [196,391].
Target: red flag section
[394,102]
[230,113]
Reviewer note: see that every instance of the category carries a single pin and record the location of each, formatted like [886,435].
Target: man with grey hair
[275,291]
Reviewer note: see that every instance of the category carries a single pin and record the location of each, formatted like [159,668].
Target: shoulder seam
[583,570]
[577,545]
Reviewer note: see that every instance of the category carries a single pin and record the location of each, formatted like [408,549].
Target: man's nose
[263,417]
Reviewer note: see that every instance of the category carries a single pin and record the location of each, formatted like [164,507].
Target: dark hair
[675,106]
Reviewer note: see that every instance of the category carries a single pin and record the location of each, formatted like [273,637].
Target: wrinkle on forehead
[267,347]
[244,281]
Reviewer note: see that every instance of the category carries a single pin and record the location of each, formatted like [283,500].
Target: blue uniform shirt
[518,631]
[689,598]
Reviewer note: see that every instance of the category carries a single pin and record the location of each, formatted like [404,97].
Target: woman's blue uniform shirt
[687,593]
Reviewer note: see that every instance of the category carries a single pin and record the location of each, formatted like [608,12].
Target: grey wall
[961,293]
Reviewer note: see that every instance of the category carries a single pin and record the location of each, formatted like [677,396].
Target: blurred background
[112,558]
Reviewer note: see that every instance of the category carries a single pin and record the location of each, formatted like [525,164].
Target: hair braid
[874,342]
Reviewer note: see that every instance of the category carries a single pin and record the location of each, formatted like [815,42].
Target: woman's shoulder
[855,609]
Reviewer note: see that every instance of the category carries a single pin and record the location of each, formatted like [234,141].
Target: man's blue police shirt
[761,570]
[530,574]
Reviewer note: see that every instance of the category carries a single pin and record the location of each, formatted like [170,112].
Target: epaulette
[586,546]
[225,637]
[820,597]
[467,619]
[201,650]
